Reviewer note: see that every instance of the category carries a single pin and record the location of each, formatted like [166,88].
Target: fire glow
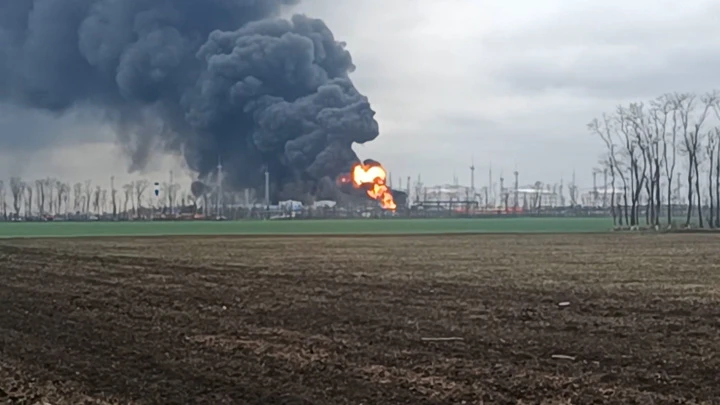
[372,177]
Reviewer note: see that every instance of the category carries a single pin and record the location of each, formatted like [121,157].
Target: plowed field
[343,320]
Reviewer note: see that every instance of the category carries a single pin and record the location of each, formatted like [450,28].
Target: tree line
[54,197]
[648,144]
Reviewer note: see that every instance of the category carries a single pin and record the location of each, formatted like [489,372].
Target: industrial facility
[496,196]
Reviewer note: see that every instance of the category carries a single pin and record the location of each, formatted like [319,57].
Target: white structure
[601,197]
[448,192]
[290,205]
[530,197]
[324,204]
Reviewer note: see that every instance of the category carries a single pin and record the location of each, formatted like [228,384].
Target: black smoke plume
[210,79]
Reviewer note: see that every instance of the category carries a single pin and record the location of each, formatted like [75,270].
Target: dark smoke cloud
[207,78]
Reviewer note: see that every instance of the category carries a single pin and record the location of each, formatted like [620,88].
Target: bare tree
[61,192]
[140,187]
[607,130]
[206,203]
[684,105]
[96,200]
[88,195]
[78,203]
[40,196]
[128,190]
[190,199]
[113,197]
[716,135]
[3,200]
[28,200]
[572,191]
[660,115]
[669,147]
[710,148]
[171,190]
[174,189]
[708,101]
[65,196]
[630,152]
[608,165]
[537,198]
[49,188]
[17,188]
[639,123]
[103,200]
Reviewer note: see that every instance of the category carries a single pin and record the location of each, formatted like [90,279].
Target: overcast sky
[512,82]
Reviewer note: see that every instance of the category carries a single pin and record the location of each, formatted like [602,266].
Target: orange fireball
[372,177]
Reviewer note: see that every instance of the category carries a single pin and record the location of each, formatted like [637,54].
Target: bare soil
[343,320]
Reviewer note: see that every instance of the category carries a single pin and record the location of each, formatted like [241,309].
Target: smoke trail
[207,78]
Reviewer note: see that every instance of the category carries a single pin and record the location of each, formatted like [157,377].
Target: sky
[508,84]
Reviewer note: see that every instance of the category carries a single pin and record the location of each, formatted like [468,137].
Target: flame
[372,177]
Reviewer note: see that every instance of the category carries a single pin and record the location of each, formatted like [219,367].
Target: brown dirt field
[340,320]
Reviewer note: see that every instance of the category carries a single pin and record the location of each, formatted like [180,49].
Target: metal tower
[472,177]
